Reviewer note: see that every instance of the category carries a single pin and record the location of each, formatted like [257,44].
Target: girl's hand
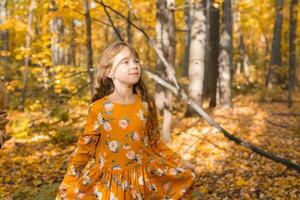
[189,165]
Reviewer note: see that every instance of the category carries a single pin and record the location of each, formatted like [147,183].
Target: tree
[89,50]
[187,37]
[225,56]
[27,56]
[4,34]
[292,49]
[57,31]
[166,43]
[214,40]
[197,54]
[276,45]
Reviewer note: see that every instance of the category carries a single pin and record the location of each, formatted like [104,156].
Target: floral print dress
[118,158]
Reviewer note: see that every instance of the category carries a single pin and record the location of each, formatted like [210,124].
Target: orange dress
[116,158]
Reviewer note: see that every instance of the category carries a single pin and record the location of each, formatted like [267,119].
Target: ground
[33,166]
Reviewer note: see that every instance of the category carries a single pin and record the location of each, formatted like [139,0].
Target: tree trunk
[225,56]
[292,49]
[4,34]
[187,38]
[129,28]
[197,55]
[71,58]
[166,42]
[57,31]
[89,44]
[27,54]
[214,52]
[276,45]
[207,5]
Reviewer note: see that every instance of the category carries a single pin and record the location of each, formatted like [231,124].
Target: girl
[120,155]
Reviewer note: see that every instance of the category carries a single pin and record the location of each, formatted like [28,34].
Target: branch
[237,140]
[178,91]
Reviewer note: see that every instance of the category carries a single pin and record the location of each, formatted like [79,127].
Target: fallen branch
[179,92]
[285,114]
[275,124]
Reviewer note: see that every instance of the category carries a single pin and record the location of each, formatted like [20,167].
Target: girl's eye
[126,62]
[137,61]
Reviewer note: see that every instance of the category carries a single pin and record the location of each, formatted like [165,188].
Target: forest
[224,73]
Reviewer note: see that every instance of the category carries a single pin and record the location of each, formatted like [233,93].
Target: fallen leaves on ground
[225,170]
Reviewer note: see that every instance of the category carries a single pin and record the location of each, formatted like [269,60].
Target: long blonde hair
[103,85]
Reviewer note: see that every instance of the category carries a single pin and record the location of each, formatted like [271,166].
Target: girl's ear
[110,74]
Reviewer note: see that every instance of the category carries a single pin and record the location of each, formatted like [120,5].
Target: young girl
[120,155]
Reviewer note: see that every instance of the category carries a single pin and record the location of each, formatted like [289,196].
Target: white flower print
[133,194]
[167,198]
[108,106]
[114,146]
[139,196]
[80,196]
[180,169]
[87,139]
[97,193]
[101,161]
[139,158]
[73,171]
[100,118]
[159,172]
[175,171]
[124,185]
[135,136]
[112,196]
[182,191]
[141,115]
[130,155]
[123,123]
[107,126]
[166,186]
[141,180]
[63,191]
[172,171]
[86,179]
[76,190]
[96,126]
[146,141]
[116,167]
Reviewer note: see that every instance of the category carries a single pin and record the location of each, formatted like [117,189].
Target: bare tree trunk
[129,29]
[187,37]
[214,52]
[4,34]
[197,55]
[243,59]
[89,44]
[166,42]
[207,5]
[292,49]
[225,56]
[276,45]
[27,55]
[71,57]
[57,31]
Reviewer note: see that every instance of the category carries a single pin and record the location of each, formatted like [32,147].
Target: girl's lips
[134,74]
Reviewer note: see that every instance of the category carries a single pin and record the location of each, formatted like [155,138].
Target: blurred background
[238,59]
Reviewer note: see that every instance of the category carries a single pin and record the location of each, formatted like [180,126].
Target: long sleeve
[158,145]
[85,147]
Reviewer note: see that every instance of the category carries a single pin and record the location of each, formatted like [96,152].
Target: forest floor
[32,166]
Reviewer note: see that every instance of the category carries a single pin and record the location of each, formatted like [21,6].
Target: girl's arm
[85,146]
[158,145]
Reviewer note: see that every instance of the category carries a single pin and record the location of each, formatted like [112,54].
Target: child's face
[125,68]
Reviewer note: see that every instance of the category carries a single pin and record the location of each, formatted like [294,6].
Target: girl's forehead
[123,54]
